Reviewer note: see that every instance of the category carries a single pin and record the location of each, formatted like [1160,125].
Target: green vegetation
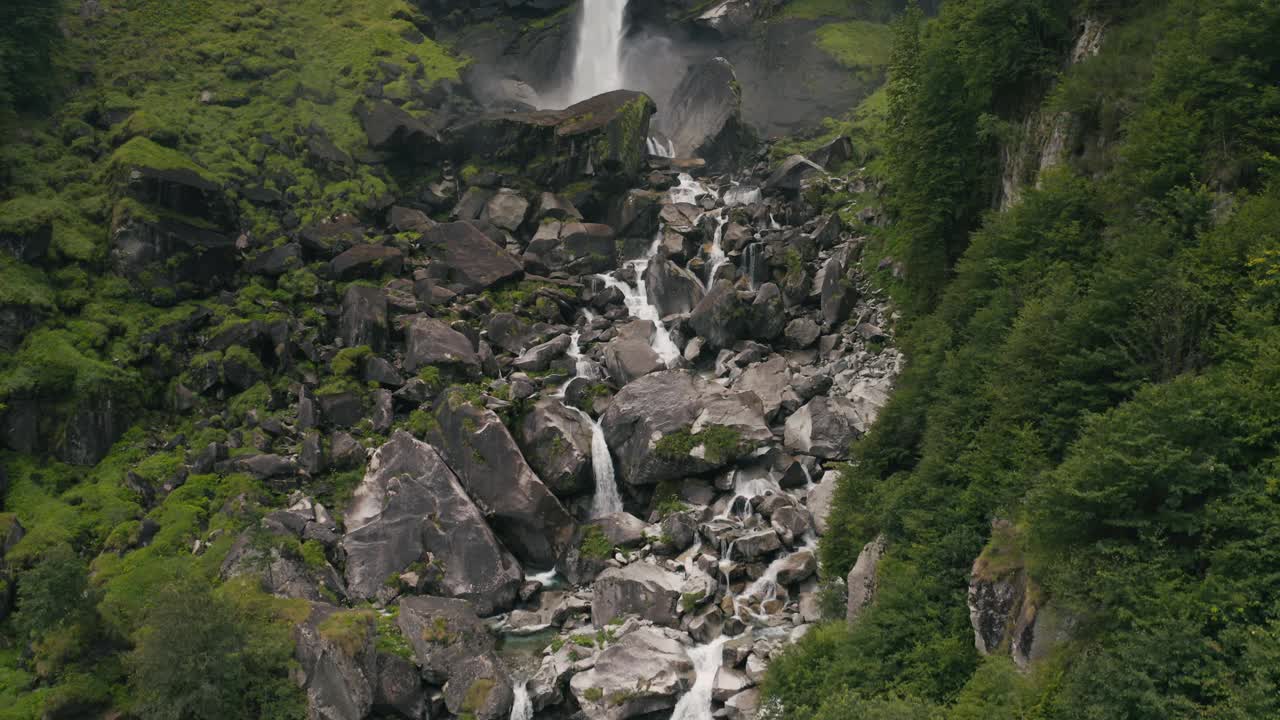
[594,544]
[1094,366]
[720,444]
[857,44]
[28,41]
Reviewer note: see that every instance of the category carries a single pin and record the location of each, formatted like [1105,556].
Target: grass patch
[857,44]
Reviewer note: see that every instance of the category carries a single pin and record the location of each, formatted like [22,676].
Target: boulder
[630,355]
[838,293]
[767,316]
[331,236]
[507,209]
[820,497]
[167,254]
[604,137]
[410,508]
[539,357]
[791,174]
[671,288]
[469,260]
[276,261]
[720,318]
[622,529]
[637,589]
[555,207]
[524,513]
[392,130]
[674,402]
[797,567]
[443,632]
[770,381]
[573,247]
[825,427]
[366,262]
[557,445]
[399,687]
[643,674]
[743,706]
[431,342]
[283,573]
[802,333]
[364,317]
[862,578]
[704,116]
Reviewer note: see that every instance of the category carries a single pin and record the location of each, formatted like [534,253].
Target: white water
[597,64]
[696,704]
[522,708]
[774,224]
[658,148]
[688,191]
[606,501]
[716,257]
[741,195]
[547,578]
[638,305]
[765,587]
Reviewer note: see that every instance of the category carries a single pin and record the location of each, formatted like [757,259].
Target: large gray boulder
[557,444]
[539,357]
[431,342]
[825,427]
[470,261]
[704,118]
[282,573]
[488,462]
[574,247]
[839,294]
[507,210]
[721,319]
[644,673]
[638,589]
[409,509]
[862,581]
[454,648]
[792,173]
[680,403]
[630,355]
[671,288]
[771,382]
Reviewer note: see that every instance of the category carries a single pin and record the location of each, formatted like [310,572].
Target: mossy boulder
[603,138]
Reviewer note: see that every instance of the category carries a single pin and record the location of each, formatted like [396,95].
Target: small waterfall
[597,64]
[638,305]
[774,224]
[522,707]
[696,704]
[716,257]
[756,269]
[658,148]
[606,501]
[688,191]
[741,195]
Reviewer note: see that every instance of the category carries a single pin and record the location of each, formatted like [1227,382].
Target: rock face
[453,647]
[705,115]
[602,136]
[643,674]
[364,317]
[862,578]
[671,288]
[574,247]
[337,676]
[720,318]
[410,509]
[489,464]
[637,589]
[667,403]
[468,261]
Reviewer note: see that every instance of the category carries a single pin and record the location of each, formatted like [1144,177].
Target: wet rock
[411,508]
[523,512]
[431,342]
[644,673]
[364,318]
[469,260]
[640,589]
[630,355]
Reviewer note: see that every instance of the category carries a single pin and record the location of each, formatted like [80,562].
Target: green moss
[348,360]
[21,284]
[27,215]
[720,444]
[593,694]
[255,398]
[143,153]
[348,629]
[857,44]
[438,632]
[389,639]
[477,695]
[818,9]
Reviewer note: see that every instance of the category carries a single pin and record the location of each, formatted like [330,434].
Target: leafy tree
[28,35]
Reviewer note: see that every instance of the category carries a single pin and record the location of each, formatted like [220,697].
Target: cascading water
[696,704]
[715,256]
[658,148]
[597,64]
[638,305]
[606,500]
[522,707]
[688,191]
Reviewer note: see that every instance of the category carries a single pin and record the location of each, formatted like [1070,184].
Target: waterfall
[597,64]
[638,305]
[658,148]
[688,191]
[716,257]
[522,707]
[606,501]
[696,704]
